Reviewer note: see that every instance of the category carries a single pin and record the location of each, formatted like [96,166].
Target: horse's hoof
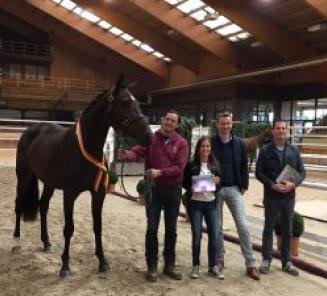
[16,249]
[65,273]
[104,267]
[47,249]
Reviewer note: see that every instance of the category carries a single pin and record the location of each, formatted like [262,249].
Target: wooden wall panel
[180,75]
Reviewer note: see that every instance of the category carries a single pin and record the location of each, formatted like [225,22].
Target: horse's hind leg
[97,204]
[69,199]
[44,206]
[24,189]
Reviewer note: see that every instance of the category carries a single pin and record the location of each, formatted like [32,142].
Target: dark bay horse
[252,144]
[71,159]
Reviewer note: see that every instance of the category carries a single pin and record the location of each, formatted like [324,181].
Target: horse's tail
[27,200]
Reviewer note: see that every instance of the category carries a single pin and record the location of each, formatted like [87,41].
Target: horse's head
[265,137]
[126,113]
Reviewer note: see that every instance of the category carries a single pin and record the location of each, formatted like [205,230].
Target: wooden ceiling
[280,33]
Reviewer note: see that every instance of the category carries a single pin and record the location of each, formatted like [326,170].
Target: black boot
[152,274]
[170,271]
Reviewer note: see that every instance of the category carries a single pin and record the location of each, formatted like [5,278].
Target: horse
[252,144]
[71,159]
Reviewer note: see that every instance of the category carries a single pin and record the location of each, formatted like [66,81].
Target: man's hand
[289,186]
[122,154]
[283,187]
[155,173]
[242,191]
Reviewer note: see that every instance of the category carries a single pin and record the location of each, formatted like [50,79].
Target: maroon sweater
[169,157]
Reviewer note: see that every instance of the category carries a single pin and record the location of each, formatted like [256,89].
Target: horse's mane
[93,102]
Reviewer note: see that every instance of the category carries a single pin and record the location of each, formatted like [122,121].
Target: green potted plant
[140,188]
[297,231]
[113,179]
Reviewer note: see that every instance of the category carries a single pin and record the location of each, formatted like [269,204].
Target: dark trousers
[167,198]
[208,211]
[274,206]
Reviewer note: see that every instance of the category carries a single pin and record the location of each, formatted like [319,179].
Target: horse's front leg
[97,204]
[69,199]
[44,207]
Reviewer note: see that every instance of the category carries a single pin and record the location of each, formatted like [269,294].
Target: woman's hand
[216,179]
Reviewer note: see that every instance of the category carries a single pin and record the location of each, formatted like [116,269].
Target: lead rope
[147,178]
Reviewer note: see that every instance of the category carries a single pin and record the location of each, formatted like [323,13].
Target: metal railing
[19,47]
[54,83]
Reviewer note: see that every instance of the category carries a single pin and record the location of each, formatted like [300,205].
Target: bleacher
[70,94]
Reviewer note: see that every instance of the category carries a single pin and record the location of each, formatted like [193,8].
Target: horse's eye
[127,103]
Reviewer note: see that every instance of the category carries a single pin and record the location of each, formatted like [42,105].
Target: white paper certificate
[203,183]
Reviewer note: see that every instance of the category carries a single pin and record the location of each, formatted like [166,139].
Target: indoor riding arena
[82,81]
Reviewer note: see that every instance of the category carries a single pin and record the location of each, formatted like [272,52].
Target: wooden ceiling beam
[177,53]
[198,33]
[149,62]
[269,34]
[319,5]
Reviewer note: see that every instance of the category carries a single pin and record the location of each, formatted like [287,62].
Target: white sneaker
[265,266]
[195,273]
[291,269]
[215,272]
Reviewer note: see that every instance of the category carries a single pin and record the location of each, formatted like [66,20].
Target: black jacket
[239,158]
[269,167]
[193,169]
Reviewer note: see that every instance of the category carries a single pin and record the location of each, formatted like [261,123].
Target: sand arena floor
[33,272]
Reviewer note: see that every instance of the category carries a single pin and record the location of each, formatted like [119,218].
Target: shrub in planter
[113,179]
[298,225]
[297,231]
[140,188]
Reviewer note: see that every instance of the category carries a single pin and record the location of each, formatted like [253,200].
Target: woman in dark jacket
[201,180]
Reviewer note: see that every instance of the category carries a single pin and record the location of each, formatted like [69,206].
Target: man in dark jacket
[165,160]
[230,152]
[279,195]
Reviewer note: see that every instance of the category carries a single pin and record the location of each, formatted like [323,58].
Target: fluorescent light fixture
[167,59]
[220,21]
[199,15]
[231,29]
[243,35]
[172,2]
[115,31]
[78,10]
[256,44]
[90,16]
[136,42]
[56,1]
[158,54]
[190,5]
[146,47]
[317,27]
[127,37]
[233,39]
[68,4]
[105,25]
[209,9]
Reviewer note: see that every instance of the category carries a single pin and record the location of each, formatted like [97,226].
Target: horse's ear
[121,83]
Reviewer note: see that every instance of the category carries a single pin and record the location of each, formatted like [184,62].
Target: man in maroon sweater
[165,159]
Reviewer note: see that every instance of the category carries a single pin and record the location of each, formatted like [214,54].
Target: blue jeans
[235,202]
[208,211]
[167,198]
[272,207]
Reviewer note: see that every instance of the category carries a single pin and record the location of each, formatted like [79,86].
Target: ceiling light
[256,44]
[317,27]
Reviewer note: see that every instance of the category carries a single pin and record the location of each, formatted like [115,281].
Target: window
[30,72]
